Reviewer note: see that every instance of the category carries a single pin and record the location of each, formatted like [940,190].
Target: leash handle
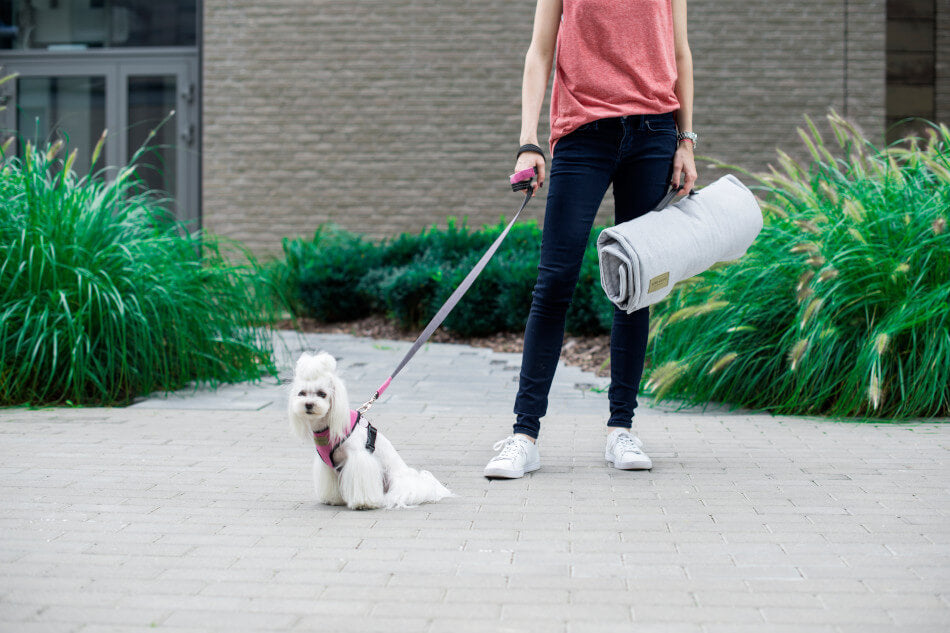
[522,180]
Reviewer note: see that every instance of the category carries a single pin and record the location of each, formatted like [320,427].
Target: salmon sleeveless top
[614,58]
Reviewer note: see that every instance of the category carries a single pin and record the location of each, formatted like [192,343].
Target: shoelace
[510,448]
[626,442]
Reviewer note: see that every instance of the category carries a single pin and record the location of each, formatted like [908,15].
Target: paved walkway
[195,513]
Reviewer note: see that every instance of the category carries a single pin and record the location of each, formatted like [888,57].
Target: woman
[621,113]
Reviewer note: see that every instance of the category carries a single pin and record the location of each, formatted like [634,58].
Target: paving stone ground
[194,512]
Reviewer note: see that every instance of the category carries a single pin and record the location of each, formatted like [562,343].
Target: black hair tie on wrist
[528,147]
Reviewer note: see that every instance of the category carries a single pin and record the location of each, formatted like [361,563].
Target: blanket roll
[642,259]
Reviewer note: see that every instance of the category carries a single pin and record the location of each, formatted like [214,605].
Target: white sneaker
[623,452]
[517,457]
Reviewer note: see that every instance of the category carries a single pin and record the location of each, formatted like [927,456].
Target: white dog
[355,465]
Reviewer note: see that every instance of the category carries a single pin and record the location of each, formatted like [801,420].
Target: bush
[408,293]
[842,305]
[328,270]
[339,276]
[591,311]
[103,298]
[485,308]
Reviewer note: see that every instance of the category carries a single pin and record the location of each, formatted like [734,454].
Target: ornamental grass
[842,305]
[103,298]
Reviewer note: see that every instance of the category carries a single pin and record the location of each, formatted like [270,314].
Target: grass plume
[842,305]
[104,298]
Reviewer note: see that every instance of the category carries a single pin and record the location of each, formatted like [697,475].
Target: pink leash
[520,181]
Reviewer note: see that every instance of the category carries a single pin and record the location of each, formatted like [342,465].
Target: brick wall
[388,116]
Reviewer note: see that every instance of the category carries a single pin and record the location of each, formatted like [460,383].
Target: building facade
[386,116]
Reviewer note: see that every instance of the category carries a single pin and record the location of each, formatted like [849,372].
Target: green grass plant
[842,305]
[103,298]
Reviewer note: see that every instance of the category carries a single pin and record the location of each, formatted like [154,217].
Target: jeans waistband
[628,121]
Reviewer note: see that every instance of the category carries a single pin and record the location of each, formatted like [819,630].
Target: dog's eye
[321,394]
[302,394]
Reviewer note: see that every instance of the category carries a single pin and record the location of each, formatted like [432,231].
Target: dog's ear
[338,418]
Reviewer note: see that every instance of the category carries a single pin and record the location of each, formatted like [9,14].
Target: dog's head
[318,397]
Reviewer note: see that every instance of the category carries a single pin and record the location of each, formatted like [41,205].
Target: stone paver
[194,512]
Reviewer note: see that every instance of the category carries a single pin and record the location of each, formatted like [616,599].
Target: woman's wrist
[530,147]
[689,137]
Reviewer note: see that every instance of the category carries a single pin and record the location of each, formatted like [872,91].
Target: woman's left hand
[684,167]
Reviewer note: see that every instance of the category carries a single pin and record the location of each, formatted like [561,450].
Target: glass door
[121,65]
[71,108]
[158,96]
[75,101]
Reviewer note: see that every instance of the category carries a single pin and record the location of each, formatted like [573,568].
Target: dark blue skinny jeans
[635,153]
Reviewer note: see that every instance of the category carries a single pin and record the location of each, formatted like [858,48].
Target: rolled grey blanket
[642,259]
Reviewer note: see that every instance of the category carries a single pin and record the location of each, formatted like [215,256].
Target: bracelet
[687,136]
[530,147]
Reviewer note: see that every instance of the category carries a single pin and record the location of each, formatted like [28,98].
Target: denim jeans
[635,153]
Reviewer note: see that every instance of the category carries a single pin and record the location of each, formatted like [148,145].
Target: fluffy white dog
[355,465]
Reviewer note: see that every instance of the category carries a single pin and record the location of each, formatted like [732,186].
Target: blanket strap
[668,198]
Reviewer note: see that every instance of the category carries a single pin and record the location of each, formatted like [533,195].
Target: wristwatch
[691,136]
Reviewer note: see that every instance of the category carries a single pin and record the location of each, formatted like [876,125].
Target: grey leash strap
[460,291]
[449,304]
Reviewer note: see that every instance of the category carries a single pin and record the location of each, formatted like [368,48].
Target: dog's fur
[318,400]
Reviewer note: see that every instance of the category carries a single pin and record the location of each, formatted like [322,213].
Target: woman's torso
[614,58]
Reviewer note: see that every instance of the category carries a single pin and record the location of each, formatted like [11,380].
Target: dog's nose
[309,406]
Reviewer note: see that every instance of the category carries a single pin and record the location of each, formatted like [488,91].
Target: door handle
[188,136]
[188,94]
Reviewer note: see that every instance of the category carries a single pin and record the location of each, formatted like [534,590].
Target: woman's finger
[677,170]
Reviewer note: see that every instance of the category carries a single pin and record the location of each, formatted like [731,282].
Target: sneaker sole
[632,465]
[500,473]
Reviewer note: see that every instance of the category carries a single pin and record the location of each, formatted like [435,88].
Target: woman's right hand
[527,160]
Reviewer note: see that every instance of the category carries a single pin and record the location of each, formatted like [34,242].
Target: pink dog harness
[325,448]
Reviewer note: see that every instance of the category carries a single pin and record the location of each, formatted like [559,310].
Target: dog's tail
[410,487]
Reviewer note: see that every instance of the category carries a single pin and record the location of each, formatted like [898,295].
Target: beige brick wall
[388,116]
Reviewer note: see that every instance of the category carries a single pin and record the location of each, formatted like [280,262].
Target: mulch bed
[590,353]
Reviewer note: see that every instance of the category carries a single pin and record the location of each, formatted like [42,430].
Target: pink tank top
[614,57]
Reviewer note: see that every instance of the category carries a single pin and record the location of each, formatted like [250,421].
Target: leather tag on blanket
[660,281]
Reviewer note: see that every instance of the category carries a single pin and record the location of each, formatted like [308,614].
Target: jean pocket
[663,124]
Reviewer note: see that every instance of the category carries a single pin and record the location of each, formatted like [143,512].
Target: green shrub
[842,305]
[514,299]
[481,311]
[408,293]
[103,298]
[500,298]
[338,276]
[328,270]
[590,312]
